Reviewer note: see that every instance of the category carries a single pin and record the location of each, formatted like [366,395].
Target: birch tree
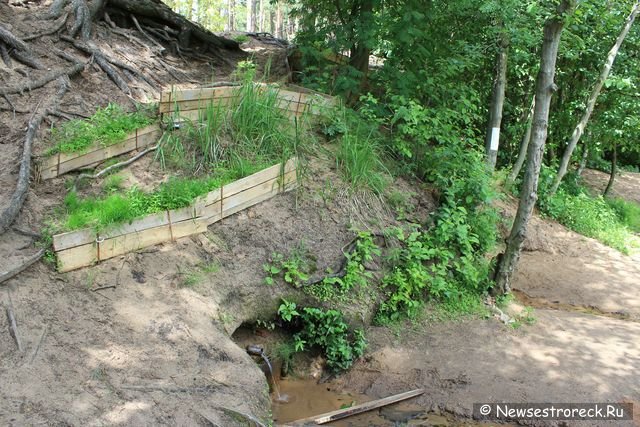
[591,102]
[545,87]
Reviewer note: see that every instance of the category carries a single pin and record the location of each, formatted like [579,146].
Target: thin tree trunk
[583,161]
[614,170]
[261,17]
[604,74]
[251,22]
[497,103]
[545,87]
[232,15]
[279,22]
[524,145]
[272,20]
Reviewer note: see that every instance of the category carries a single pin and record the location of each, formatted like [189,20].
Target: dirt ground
[626,184]
[155,346]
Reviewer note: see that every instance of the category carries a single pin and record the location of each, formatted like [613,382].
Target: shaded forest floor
[152,351]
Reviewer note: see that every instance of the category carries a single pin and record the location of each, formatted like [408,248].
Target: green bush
[607,220]
[445,261]
[628,212]
[326,330]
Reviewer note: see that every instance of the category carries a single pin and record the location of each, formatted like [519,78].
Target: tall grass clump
[359,151]
[107,126]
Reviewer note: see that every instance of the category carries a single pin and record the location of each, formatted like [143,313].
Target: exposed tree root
[49,77]
[11,40]
[116,166]
[9,274]
[20,194]
[105,62]
[55,29]
[13,326]
[19,50]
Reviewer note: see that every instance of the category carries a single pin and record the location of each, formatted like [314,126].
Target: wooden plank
[97,156]
[148,138]
[257,194]
[189,227]
[178,95]
[257,178]
[213,196]
[358,409]
[120,245]
[181,214]
[74,258]
[212,213]
[47,172]
[137,225]
[199,104]
[72,239]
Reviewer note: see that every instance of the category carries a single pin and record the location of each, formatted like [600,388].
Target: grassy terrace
[107,126]
[224,144]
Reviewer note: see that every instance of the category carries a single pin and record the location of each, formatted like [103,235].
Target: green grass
[117,208]
[628,213]
[359,161]
[610,222]
[107,126]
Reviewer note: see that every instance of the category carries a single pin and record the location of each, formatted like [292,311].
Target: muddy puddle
[301,395]
[308,398]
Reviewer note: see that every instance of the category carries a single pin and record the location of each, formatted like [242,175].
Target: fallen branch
[20,194]
[6,275]
[47,78]
[13,326]
[101,288]
[116,166]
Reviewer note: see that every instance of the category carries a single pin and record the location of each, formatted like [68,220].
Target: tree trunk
[272,21]
[524,145]
[497,103]
[261,17]
[583,161]
[604,74]
[279,22]
[158,11]
[232,15]
[251,16]
[614,170]
[545,87]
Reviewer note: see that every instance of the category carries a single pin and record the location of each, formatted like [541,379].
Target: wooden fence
[61,163]
[188,103]
[86,247]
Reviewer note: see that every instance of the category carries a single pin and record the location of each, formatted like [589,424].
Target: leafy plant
[327,330]
[356,275]
[294,269]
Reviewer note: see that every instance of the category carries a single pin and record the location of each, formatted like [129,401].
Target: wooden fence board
[189,227]
[74,258]
[120,245]
[252,198]
[150,221]
[177,94]
[73,239]
[272,186]
[198,104]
